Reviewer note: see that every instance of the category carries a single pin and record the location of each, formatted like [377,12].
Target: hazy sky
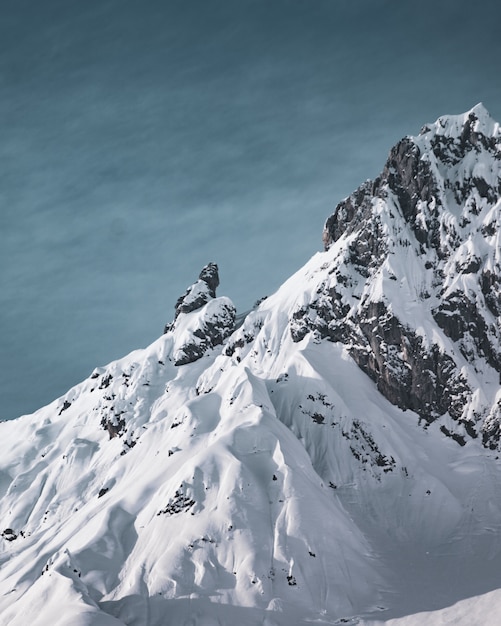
[140,140]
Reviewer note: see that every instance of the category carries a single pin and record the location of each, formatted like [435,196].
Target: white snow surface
[242,488]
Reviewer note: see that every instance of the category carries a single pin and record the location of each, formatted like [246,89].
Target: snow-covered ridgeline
[335,451]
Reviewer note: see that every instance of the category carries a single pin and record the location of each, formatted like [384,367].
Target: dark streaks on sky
[140,140]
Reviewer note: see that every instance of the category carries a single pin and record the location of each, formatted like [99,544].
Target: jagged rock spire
[215,321]
[210,275]
[200,292]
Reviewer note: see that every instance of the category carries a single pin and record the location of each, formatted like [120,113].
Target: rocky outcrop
[206,328]
[197,294]
[202,321]
[462,321]
[436,205]
[411,376]
[424,380]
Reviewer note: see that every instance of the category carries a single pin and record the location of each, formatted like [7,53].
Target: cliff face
[414,287]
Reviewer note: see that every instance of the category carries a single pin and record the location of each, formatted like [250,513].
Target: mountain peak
[288,469]
[428,224]
[481,113]
[477,120]
[453,164]
[202,321]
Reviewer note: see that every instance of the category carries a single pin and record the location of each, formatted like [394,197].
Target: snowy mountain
[331,457]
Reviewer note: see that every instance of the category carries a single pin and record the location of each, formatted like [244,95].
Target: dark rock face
[210,276]
[407,374]
[198,294]
[491,288]
[410,178]
[437,191]
[325,315]
[213,329]
[460,319]
[406,175]
[491,429]
[350,213]
[214,321]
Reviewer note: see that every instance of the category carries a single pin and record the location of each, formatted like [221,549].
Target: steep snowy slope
[331,458]
[139,492]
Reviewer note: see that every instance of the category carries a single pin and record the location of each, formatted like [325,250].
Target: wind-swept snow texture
[334,459]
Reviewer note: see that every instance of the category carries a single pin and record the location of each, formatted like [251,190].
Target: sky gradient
[141,140]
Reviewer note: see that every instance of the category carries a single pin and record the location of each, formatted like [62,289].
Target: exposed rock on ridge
[199,293]
[423,236]
[201,321]
[269,482]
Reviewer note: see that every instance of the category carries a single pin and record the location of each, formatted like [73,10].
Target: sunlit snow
[269,481]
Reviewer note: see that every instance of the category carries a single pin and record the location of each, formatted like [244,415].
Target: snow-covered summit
[478,119]
[418,249]
[333,459]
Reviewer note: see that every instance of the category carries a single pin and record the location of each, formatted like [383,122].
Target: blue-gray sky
[140,140]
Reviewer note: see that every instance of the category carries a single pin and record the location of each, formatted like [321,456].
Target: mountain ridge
[316,460]
[417,189]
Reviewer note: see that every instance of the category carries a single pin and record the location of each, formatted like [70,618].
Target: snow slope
[332,460]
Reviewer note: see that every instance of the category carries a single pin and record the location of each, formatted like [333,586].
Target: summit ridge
[333,457]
